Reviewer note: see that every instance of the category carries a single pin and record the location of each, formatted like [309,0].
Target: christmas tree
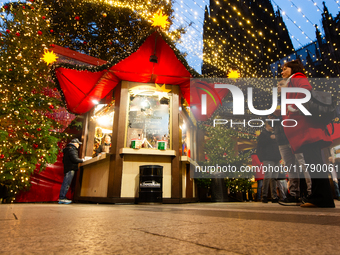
[220,148]
[29,138]
[103,29]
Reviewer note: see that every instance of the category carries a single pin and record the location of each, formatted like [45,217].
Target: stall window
[102,123]
[187,129]
[184,143]
[148,118]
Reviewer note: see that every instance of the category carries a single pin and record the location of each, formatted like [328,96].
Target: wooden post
[118,133]
[176,178]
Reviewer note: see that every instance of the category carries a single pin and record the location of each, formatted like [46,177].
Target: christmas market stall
[135,116]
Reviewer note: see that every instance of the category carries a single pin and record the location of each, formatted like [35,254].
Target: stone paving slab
[201,228]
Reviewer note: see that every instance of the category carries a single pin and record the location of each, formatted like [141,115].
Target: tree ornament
[77,18]
[16,112]
[233,74]
[39,32]
[51,107]
[160,20]
[26,135]
[8,31]
[43,17]
[35,146]
[51,31]
[26,71]
[17,34]
[49,57]
[39,129]
[2,156]
[19,56]
[104,14]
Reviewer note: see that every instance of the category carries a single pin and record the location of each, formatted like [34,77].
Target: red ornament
[2,156]
[51,31]
[32,7]
[51,107]
[23,7]
[8,31]
[35,146]
[110,42]
[38,129]
[0,34]
[52,45]
[55,89]
[17,34]
[6,7]
[84,43]
[10,70]
[43,17]
[39,32]
[32,1]
[77,18]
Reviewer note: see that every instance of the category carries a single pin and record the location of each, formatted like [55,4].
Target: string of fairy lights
[191,42]
[190,14]
[187,20]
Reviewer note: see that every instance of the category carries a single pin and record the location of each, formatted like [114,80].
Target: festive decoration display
[104,29]
[240,39]
[220,148]
[87,79]
[49,57]
[233,74]
[160,20]
[27,135]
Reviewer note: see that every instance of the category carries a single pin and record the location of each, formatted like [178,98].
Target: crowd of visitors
[298,146]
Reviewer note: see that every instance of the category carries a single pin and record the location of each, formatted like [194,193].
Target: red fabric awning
[336,134]
[80,87]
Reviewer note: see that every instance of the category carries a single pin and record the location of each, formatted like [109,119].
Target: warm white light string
[337,2]
[315,4]
[294,22]
[303,15]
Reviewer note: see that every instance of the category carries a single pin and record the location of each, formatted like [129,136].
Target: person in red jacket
[308,137]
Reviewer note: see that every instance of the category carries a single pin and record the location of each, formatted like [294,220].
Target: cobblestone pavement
[200,228]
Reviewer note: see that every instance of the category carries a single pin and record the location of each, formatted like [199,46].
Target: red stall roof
[80,85]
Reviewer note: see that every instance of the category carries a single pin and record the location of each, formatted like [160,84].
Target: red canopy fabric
[214,98]
[80,87]
[336,134]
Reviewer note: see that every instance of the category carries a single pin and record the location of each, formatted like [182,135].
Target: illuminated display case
[103,119]
[148,119]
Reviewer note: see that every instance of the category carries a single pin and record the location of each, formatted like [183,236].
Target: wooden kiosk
[134,114]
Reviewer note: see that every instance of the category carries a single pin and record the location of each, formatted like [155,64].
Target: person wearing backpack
[307,137]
